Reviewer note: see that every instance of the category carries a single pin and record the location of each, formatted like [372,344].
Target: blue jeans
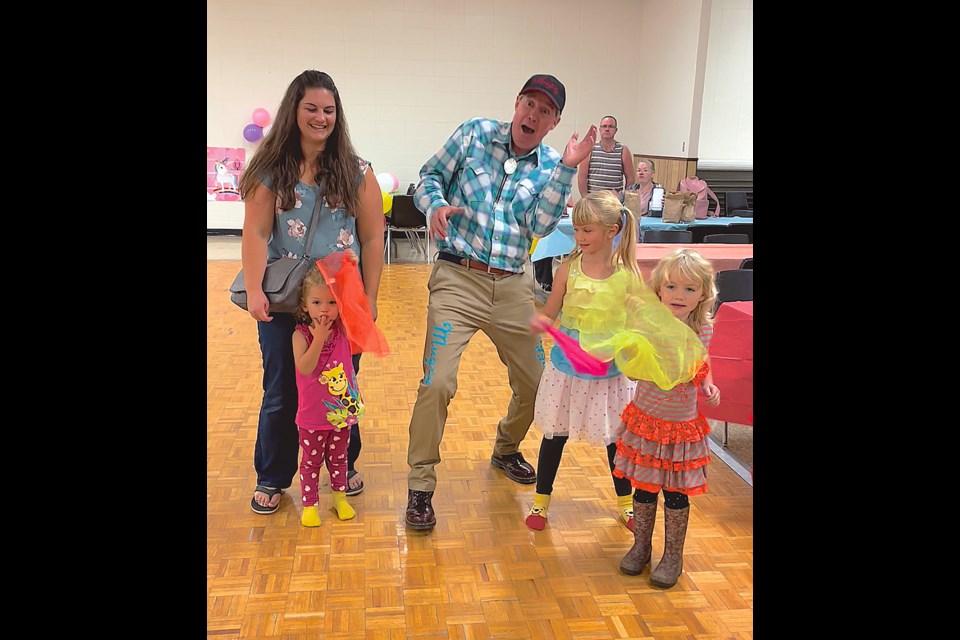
[277,451]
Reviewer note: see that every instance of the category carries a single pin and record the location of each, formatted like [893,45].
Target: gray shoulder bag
[282,277]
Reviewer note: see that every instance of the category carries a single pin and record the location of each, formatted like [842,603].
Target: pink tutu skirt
[581,408]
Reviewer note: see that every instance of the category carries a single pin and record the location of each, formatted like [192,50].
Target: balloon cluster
[260,126]
[388,183]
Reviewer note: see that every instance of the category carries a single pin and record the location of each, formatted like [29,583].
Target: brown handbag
[631,200]
[679,206]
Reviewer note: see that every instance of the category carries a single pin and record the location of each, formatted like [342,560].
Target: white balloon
[385,180]
[266,130]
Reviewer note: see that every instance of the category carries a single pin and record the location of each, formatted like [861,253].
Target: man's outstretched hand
[576,151]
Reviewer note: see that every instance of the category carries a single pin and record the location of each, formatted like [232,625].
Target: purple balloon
[252,132]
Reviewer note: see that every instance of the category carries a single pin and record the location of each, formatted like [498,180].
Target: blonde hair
[314,278]
[696,268]
[605,208]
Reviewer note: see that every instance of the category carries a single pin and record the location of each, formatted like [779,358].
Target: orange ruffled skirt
[657,454]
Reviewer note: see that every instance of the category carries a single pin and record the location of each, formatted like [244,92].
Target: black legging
[671,499]
[353,449]
[548,461]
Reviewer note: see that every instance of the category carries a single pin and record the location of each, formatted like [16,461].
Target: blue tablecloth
[561,242]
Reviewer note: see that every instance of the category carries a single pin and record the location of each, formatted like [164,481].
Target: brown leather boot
[644,515]
[420,513]
[674,534]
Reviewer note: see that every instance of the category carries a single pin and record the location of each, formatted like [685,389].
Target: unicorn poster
[224,168]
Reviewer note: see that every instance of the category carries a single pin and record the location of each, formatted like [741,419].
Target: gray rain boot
[644,515]
[675,533]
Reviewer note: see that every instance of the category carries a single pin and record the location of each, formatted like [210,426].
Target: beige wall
[410,71]
[667,97]
[726,126]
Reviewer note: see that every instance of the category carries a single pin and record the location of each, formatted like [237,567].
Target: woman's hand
[258,306]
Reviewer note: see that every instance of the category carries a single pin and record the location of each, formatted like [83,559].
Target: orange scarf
[343,278]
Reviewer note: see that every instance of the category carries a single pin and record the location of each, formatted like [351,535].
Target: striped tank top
[606,169]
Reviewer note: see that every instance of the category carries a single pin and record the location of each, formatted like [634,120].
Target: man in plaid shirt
[488,192]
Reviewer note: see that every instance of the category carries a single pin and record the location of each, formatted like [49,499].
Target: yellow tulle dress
[639,334]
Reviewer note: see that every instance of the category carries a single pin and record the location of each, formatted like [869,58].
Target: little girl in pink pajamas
[329,400]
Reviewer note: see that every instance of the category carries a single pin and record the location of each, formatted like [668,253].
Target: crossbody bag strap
[312,226]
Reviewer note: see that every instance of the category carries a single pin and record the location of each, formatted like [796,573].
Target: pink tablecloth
[731,359]
[721,256]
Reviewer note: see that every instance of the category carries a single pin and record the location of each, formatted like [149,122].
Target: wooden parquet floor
[480,573]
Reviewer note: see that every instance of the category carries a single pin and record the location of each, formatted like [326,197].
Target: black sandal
[358,488]
[259,508]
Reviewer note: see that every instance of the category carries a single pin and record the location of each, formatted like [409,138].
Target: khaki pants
[463,301]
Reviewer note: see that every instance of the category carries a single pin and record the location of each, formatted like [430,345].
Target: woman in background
[644,185]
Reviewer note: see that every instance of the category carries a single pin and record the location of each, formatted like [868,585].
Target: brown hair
[280,155]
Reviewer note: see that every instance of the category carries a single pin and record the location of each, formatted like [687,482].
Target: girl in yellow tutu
[663,441]
[605,304]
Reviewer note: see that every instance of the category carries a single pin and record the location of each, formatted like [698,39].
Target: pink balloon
[261,117]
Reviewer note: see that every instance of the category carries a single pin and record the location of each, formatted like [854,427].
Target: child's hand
[539,323]
[352,255]
[321,329]
[711,393]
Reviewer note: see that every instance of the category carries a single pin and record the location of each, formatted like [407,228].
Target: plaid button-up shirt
[502,213]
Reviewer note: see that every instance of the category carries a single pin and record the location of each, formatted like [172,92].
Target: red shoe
[516,468]
[537,519]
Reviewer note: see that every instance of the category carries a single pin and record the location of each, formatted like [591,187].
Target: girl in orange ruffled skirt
[663,446]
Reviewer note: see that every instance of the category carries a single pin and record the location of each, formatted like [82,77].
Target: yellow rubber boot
[310,517]
[344,510]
